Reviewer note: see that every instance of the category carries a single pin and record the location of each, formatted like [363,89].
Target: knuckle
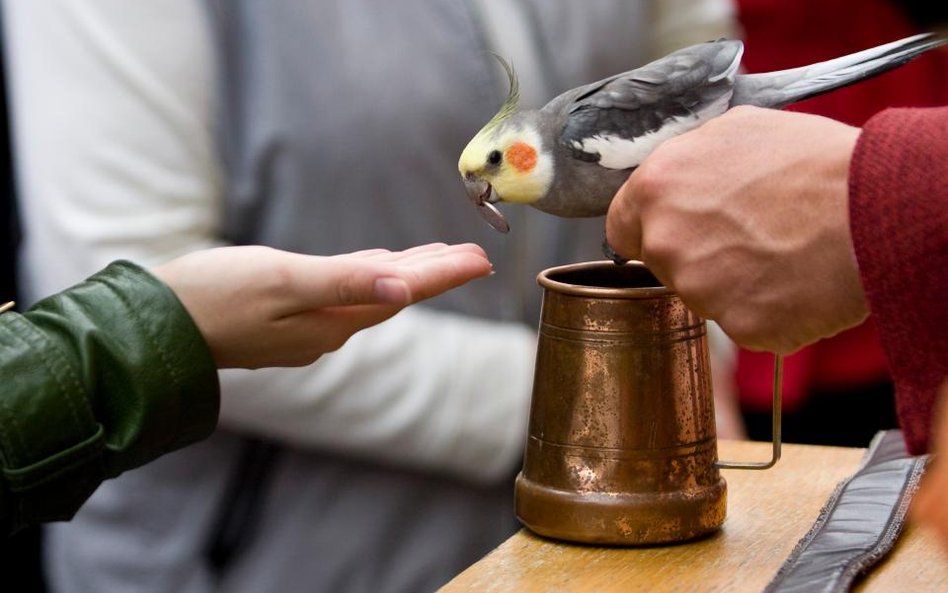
[279,280]
[660,245]
[354,287]
[346,293]
[650,179]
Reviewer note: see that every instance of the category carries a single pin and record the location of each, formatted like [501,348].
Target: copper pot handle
[775,457]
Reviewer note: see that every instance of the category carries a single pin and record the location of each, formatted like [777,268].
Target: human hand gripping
[747,219]
[260,307]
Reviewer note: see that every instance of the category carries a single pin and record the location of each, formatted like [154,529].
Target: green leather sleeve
[96,380]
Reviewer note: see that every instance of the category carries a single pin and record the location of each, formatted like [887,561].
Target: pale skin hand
[928,506]
[260,307]
[747,219]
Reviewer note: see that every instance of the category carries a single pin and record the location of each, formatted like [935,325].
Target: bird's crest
[512,102]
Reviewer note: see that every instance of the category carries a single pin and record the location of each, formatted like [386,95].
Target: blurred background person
[147,130]
[837,391]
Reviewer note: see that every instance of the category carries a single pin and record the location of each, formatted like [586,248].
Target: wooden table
[768,512]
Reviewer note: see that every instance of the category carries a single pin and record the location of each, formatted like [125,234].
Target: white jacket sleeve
[114,107]
[112,134]
[439,390]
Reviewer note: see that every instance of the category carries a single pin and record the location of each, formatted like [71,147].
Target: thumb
[391,279]
[330,282]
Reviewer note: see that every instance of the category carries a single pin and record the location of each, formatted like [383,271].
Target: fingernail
[392,290]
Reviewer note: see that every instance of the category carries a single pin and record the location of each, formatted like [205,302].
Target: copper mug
[622,447]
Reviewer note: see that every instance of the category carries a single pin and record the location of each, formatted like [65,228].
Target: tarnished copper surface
[621,446]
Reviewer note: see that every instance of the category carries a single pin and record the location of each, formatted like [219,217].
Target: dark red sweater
[898,200]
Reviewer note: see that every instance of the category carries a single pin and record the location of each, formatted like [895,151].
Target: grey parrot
[570,157]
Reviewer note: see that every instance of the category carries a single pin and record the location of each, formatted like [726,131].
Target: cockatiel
[570,157]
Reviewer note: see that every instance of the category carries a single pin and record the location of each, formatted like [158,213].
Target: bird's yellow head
[505,161]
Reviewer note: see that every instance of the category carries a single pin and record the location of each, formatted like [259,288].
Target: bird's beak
[482,194]
[478,190]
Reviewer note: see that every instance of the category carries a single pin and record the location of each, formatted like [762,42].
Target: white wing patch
[624,153]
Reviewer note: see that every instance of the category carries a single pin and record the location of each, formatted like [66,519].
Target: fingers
[335,282]
[382,255]
[365,253]
[429,271]
[381,277]
[413,253]
[430,276]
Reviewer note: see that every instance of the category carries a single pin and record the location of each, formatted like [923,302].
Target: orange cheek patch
[522,156]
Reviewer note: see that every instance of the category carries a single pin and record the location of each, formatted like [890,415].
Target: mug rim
[545,281]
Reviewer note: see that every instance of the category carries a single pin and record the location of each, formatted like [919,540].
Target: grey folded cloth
[859,523]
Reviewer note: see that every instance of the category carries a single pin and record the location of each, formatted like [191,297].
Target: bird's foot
[610,253]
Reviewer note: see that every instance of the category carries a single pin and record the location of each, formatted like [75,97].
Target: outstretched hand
[746,218]
[259,307]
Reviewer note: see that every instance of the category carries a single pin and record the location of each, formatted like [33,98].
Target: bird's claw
[611,254]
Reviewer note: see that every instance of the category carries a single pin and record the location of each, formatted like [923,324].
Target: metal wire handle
[775,457]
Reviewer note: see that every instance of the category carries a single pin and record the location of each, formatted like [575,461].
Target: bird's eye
[494,157]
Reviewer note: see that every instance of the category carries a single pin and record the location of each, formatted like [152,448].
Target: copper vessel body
[621,446]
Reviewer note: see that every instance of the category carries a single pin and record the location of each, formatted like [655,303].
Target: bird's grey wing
[618,121]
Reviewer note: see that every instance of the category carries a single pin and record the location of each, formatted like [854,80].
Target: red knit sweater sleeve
[898,200]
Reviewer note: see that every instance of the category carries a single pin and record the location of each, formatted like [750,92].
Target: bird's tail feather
[778,89]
